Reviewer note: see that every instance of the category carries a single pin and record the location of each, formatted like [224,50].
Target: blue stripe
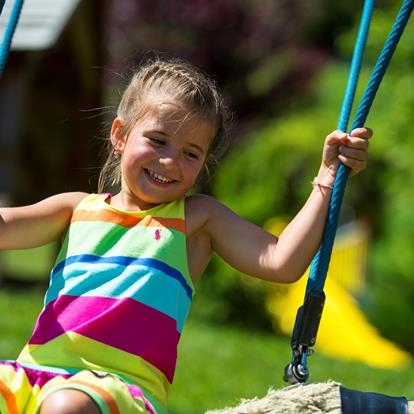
[125,261]
[144,284]
[44,368]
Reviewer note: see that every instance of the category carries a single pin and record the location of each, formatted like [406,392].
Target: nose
[169,159]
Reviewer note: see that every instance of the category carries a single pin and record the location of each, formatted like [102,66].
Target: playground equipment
[344,331]
[327,397]
[309,314]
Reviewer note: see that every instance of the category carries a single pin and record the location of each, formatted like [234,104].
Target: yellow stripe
[74,351]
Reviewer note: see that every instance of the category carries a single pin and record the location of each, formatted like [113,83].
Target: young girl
[106,339]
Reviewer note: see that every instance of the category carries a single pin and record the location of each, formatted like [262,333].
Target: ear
[118,138]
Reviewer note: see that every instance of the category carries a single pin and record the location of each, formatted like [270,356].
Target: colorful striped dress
[119,295]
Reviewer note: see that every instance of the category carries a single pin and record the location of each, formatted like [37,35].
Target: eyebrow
[155,131]
[198,148]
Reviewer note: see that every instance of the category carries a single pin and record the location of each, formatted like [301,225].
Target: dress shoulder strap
[93,202]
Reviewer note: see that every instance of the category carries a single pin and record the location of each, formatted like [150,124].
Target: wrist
[325,180]
[326,176]
[316,183]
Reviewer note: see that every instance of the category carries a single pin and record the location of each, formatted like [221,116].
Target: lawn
[218,365]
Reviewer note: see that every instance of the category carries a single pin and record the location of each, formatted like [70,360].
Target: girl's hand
[351,150]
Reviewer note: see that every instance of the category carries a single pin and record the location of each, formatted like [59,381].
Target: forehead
[174,120]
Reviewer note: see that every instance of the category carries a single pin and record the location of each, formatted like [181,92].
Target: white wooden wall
[40,24]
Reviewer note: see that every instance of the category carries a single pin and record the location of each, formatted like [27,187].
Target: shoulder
[39,223]
[65,201]
[200,201]
[71,198]
[201,210]
[202,204]
[59,205]
[55,204]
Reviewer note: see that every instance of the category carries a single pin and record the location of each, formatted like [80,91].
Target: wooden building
[51,79]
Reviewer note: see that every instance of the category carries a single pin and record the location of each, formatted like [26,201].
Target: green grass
[218,365]
[18,312]
[28,263]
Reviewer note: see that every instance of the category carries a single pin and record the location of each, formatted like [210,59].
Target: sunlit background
[282,66]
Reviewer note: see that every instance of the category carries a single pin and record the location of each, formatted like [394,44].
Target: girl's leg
[69,401]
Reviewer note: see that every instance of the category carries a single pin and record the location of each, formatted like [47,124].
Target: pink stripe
[34,376]
[135,392]
[125,324]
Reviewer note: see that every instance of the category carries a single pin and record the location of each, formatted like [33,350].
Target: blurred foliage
[268,173]
[262,52]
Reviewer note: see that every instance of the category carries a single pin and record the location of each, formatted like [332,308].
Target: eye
[192,155]
[157,140]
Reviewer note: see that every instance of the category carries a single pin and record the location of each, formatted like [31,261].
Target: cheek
[135,156]
[194,171]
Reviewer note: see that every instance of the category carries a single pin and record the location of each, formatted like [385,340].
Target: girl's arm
[37,224]
[253,251]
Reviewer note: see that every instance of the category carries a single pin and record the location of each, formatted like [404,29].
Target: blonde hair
[171,79]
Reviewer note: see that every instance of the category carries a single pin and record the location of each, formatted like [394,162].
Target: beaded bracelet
[316,183]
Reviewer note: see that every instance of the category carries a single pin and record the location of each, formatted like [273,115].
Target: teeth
[159,178]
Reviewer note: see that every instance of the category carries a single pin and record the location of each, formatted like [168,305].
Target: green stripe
[174,209]
[3,405]
[159,408]
[108,239]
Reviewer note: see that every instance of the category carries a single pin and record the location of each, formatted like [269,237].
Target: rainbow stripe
[119,295]
[24,387]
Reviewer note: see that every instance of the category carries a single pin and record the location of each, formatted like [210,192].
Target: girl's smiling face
[162,155]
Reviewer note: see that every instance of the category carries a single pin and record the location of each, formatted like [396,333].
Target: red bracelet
[316,183]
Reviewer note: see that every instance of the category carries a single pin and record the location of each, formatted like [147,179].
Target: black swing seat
[358,402]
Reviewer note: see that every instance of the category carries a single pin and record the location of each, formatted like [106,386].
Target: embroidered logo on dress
[157,235]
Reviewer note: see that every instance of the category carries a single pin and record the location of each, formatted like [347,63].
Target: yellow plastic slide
[344,331]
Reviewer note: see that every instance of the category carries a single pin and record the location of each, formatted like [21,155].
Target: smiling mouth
[159,178]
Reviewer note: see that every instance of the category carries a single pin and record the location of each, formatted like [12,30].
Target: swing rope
[308,317]
[355,67]
[8,34]
[320,263]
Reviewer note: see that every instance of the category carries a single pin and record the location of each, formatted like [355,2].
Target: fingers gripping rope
[297,370]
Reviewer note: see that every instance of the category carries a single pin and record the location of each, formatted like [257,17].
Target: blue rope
[2,5]
[308,316]
[343,125]
[8,35]
[355,67]
[320,263]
